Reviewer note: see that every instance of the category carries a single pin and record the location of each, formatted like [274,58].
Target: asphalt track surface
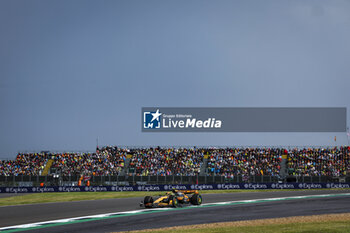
[25,214]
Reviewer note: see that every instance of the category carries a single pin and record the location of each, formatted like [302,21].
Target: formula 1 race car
[176,198]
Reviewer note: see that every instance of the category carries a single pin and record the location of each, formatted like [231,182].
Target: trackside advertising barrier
[170,187]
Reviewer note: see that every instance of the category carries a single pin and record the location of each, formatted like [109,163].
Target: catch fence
[35,181]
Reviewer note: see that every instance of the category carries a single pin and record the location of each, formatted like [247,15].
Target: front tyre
[148,201]
[196,199]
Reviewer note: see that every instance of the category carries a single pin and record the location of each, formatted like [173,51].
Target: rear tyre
[148,201]
[175,202]
[196,199]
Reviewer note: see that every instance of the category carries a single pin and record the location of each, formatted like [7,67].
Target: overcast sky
[72,71]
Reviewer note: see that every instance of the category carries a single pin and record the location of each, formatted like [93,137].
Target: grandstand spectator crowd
[319,162]
[24,164]
[166,161]
[232,162]
[108,161]
[228,162]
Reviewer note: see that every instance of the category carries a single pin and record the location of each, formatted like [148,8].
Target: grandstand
[113,165]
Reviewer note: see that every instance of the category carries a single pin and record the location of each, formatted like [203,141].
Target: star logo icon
[156,115]
[151,119]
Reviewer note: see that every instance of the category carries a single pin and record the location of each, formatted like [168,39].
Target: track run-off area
[123,214]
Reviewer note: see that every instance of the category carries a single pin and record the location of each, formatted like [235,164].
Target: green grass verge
[328,223]
[75,196]
[326,227]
